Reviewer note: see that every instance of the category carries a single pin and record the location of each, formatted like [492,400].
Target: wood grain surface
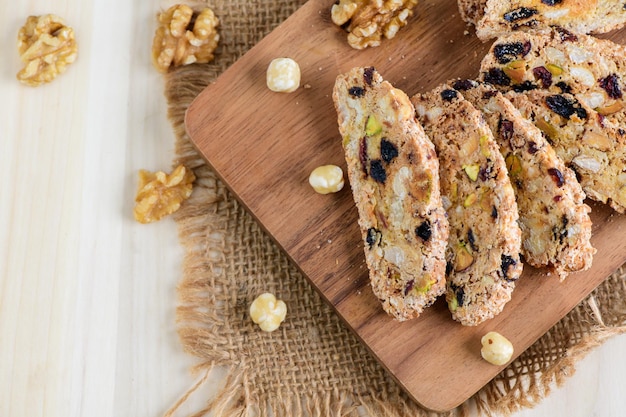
[265,144]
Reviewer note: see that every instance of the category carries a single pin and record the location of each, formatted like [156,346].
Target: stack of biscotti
[494,18]
[394,175]
[555,223]
[485,239]
[570,86]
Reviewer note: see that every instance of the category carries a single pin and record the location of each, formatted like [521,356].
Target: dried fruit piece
[377,171]
[184,37]
[448,94]
[507,52]
[611,86]
[520,14]
[557,176]
[268,312]
[374,236]
[46,46]
[388,150]
[497,76]
[565,107]
[424,231]
[159,194]
[544,75]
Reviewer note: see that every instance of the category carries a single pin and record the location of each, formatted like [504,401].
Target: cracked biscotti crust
[555,223]
[494,18]
[394,176]
[576,83]
[485,239]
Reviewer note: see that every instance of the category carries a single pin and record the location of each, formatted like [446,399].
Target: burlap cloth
[314,365]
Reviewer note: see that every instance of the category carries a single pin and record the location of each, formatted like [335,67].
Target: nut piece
[496,349]
[184,37]
[367,22]
[326,179]
[268,312]
[283,75]
[46,46]
[159,194]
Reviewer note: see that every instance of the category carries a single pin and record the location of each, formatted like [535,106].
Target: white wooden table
[87,295]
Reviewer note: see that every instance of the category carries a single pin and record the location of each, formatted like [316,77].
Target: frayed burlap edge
[529,379]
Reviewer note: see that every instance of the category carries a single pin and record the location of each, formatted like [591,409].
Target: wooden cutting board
[265,144]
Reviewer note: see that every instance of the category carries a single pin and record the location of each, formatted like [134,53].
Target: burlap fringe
[523,384]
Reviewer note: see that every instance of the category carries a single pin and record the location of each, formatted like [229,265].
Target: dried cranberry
[356,91]
[448,95]
[507,262]
[373,236]
[377,171]
[565,107]
[552,2]
[486,172]
[505,129]
[424,231]
[496,76]
[532,148]
[525,86]
[519,14]
[409,286]
[565,34]
[507,52]
[464,85]
[601,119]
[542,74]
[611,86]
[388,150]
[557,176]
[368,75]
[557,198]
[460,296]
[363,155]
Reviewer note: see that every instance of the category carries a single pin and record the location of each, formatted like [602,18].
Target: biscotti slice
[588,142]
[594,70]
[394,176]
[555,223]
[494,18]
[485,239]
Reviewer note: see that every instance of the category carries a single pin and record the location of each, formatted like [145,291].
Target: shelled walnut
[46,46]
[368,21]
[184,37]
[159,194]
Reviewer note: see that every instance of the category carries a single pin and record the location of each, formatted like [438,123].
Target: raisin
[448,95]
[543,75]
[373,236]
[564,87]
[409,286]
[507,262]
[560,233]
[505,129]
[496,76]
[532,148]
[525,86]
[449,268]
[552,2]
[557,198]
[507,52]
[471,239]
[621,131]
[519,14]
[486,172]
[464,85]
[356,91]
[363,155]
[368,75]
[424,231]
[611,86]
[388,150]
[565,34]
[377,171]
[494,212]
[565,107]
[459,292]
[557,176]
[489,94]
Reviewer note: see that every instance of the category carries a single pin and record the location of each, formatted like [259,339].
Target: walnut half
[46,46]
[184,36]
[160,194]
[368,21]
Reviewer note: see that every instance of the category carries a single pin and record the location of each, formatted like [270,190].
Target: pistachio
[484,146]
[546,128]
[513,164]
[516,70]
[464,258]
[373,126]
[469,200]
[472,171]
[610,109]
[555,70]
